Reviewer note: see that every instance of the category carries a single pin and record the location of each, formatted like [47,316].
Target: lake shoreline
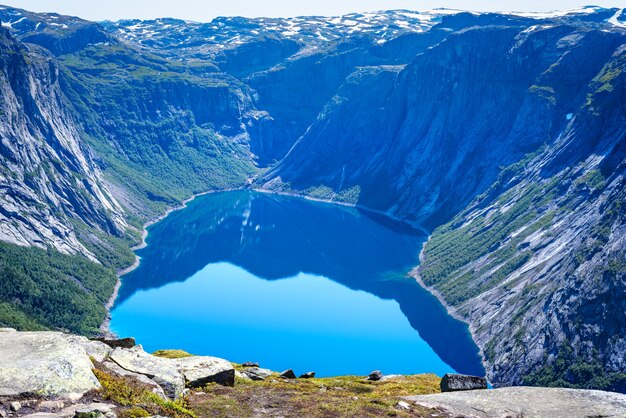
[451,310]
[105,330]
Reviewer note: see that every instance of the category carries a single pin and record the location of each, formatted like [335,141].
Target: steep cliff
[49,180]
[536,264]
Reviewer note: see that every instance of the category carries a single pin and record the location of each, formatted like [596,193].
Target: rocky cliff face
[48,178]
[408,139]
[544,248]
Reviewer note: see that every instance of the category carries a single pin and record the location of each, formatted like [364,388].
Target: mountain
[503,133]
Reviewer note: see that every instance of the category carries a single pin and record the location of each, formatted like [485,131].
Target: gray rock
[403,405]
[256,373]
[15,406]
[7,330]
[375,375]
[288,374]
[200,370]
[93,410]
[307,375]
[118,343]
[120,371]
[250,364]
[94,349]
[79,410]
[526,402]
[454,382]
[241,375]
[3,413]
[51,405]
[164,372]
[45,363]
[389,377]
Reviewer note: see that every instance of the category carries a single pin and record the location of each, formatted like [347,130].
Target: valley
[501,134]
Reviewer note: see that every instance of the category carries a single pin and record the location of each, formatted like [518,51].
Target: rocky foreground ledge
[51,374]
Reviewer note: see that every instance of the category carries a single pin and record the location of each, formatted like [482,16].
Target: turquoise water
[289,283]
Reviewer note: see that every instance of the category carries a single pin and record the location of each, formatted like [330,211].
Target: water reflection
[276,237]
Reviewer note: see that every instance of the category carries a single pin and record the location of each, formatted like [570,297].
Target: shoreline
[345,204]
[451,310]
[105,330]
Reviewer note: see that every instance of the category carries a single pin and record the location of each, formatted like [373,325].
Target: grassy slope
[324,397]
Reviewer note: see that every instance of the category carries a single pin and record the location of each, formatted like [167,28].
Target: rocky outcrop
[163,371]
[53,365]
[47,175]
[457,382]
[257,373]
[526,402]
[198,371]
[43,364]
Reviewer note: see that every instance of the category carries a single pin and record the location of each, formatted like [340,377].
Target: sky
[204,11]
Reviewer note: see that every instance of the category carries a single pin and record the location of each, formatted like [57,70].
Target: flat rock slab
[256,373]
[527,402]
[164,372]
[200,370]
[46,364]
[80,410]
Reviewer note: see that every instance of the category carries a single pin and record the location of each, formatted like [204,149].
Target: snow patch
[556,13]
[614,20]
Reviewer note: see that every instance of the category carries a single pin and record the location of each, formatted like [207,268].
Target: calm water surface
[289,283]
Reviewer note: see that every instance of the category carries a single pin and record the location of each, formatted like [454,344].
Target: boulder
[118,342]
[256,373]
[288,374]
[200,370]
[375,375]
[118,370]
[307,375]
[164,372]
[455,382]
[48,364]
[241,375]
[97,350]
[250,364]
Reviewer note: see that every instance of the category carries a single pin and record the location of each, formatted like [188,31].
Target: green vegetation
[172,354]
[137,399]
[545,92]
[155,125]
[451,248]
[592,179]
[605,82]
[326,397]
[319,397]
[349,195]
[44,289]
[569,371]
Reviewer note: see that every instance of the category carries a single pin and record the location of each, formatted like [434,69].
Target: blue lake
[289,283]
